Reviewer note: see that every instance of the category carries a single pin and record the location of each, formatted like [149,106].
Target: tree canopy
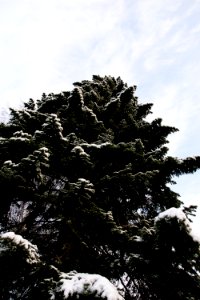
[87,178]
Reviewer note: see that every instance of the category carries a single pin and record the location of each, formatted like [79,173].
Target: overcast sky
[46,45]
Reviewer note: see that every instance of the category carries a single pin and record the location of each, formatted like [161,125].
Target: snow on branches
[14,242]
[178,215]
[74,285]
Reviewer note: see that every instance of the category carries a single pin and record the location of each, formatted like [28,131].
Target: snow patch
[87,284]
[173,213]
[80,151]
[178,213]
[98,146]
[32,250]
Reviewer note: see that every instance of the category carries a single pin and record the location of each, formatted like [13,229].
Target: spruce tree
[86,177]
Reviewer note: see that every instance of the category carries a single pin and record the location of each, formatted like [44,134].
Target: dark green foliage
[88,174]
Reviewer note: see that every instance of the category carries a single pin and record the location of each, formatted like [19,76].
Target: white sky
[46,45]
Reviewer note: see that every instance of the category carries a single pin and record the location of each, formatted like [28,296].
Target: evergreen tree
[87,178]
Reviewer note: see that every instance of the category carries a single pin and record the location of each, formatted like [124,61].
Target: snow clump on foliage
[180,216]
[82,284]
[32,255]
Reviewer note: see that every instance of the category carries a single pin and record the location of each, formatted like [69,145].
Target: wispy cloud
[47,45]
